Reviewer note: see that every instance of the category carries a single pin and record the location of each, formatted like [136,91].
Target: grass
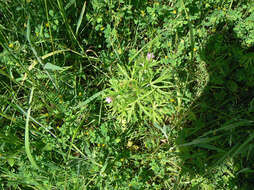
[126,94]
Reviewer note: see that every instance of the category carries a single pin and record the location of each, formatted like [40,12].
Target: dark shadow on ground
[222,127]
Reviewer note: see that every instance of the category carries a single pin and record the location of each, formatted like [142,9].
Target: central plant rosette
[144,90]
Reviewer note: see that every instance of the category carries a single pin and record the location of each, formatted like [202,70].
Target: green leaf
[47,147]
[51,13]
[11,161]
[104,130]
[52,67]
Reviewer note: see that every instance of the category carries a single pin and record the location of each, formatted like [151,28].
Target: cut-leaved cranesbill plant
[143,90]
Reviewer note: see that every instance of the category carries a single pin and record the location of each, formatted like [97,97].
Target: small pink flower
[109,100]
[149,56]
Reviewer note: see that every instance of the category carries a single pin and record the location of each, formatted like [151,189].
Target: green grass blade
[69,4]
[81,17]
[201,141]
[68,27]
[27,142]
[7,117]
[34,120]
[229,126]
[226,155]
[210,147]
[241,147]
[89,99]
[28,34]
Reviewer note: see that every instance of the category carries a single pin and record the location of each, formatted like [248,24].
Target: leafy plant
[144,90]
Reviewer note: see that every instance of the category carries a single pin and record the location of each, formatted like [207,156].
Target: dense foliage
[126,94]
